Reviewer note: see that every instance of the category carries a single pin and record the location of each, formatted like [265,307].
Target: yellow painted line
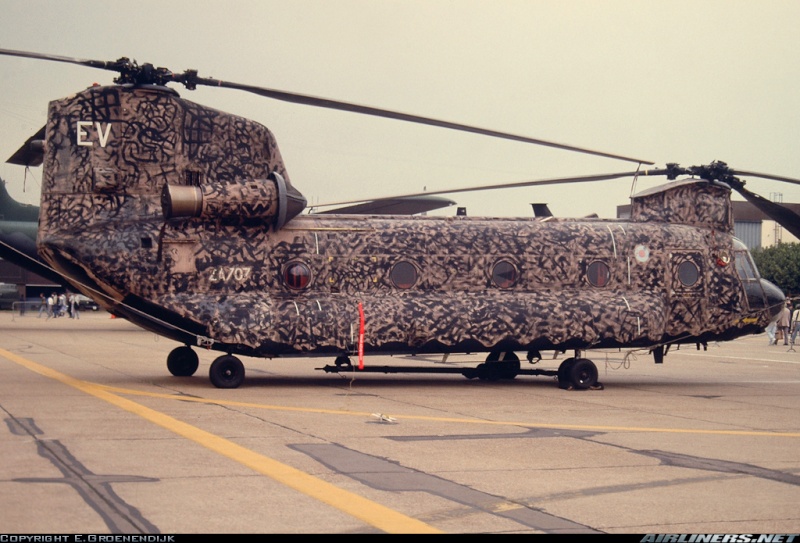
[374,514]
[251,405]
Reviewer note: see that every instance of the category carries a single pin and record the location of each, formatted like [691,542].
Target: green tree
[780,264]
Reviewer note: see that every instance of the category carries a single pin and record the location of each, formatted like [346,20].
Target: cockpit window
[744,266]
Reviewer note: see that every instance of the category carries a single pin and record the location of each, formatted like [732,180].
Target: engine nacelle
[238,200]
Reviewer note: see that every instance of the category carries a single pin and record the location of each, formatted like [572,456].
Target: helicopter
[183,220]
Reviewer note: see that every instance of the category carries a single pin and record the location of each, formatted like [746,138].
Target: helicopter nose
[775,299]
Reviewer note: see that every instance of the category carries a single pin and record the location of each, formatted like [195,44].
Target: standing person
[62,304]
[42,304]
[783,322]
[795,322]
[73,306]
[771,328]
[51,304]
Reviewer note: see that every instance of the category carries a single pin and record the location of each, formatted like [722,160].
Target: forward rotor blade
[720,171]
[784,216]
[516,184]
[768,176]
[393,206]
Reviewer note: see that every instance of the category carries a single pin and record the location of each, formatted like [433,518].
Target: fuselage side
[237,274]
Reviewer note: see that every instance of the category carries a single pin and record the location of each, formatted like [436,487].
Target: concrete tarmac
[99,438]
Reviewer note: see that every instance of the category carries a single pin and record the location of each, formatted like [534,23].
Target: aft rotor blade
[132,72]
[104,65]
[388,114]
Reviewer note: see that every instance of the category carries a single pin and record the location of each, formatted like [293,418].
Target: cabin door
[687,295]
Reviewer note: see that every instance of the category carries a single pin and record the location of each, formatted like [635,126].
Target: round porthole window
[598,273]
[297,275]
[504,274]
[688,274]
[403,275]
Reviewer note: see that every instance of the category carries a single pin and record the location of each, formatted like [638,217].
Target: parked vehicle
[85,303]
[8,295]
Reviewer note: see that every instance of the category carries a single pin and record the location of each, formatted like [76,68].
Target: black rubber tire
[343,361]
[182,361]
[563,372]
[583,374]
[495,369]
[227,371]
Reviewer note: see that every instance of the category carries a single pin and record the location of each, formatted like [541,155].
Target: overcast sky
[667,81]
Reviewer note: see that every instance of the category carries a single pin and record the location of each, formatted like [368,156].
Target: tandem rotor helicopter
[183,220]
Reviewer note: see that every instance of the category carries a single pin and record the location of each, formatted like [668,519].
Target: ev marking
[83,128]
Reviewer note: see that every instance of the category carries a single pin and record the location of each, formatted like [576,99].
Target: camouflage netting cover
[467,284]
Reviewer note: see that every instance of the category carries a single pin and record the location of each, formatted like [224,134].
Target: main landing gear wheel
[343,361]
[182,361]
[495,368]
[227,371]
[563,372]
[578,374]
